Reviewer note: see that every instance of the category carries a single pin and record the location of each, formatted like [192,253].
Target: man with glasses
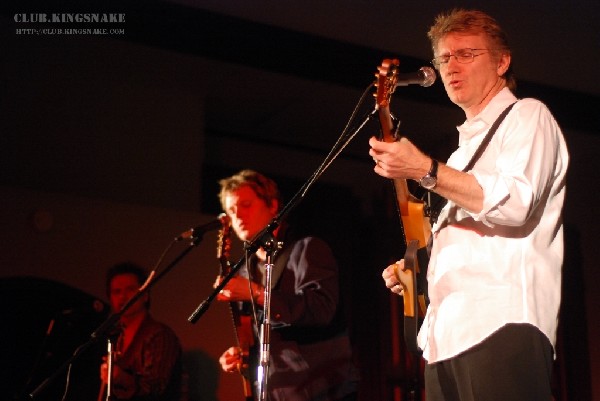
[494,276]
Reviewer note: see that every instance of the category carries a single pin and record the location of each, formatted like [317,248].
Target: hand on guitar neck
[398,159]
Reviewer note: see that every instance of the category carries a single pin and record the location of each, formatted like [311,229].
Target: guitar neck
[386,124]
[415,226]
[242,323]
[411,210]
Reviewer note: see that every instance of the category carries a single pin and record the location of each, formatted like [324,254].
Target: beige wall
[73,240]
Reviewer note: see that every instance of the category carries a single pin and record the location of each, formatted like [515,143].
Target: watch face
[428,182]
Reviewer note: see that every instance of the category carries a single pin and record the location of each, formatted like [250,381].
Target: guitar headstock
[224,243]
[387,77]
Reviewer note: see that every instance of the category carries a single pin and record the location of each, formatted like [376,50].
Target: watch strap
[434,168]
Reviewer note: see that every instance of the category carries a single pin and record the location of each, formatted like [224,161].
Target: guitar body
[416,227]
[242,322]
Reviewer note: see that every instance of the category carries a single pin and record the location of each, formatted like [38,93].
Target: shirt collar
[482,121]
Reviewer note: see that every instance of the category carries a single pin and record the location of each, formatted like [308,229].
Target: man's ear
[503,64]
[274,206]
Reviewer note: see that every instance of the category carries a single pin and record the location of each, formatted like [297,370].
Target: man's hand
[398,160]
[231,360]
[104,371]
[238,289]
[392,276]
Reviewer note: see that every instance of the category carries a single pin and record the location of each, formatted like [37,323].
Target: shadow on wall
[43,323]
[203,375]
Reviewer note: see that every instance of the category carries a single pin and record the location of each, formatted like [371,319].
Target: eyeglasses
[462,56]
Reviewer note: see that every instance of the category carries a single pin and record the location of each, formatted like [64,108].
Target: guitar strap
[437,202]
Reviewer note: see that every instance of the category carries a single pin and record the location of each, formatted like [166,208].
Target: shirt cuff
[495,191]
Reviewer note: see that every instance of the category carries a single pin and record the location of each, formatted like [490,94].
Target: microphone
[424,77]
[204,228]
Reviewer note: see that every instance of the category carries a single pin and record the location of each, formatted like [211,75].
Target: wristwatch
[429,181]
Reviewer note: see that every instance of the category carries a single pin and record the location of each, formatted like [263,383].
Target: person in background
[147,359]
[494,276]
[310,350]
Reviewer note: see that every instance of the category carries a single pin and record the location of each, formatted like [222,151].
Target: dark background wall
[112,145]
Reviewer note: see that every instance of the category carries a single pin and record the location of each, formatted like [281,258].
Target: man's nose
[239,214]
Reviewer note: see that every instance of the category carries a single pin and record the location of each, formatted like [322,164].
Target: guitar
[242,323]
[415,226]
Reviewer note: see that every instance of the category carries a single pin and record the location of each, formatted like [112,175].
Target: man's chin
[244,235]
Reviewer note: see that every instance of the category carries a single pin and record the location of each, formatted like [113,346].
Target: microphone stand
[111,361]
[265,333]
[106,392]
[265,239]
[110,322]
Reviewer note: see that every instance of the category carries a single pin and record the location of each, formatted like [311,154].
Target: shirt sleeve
[521,161]
[309,291]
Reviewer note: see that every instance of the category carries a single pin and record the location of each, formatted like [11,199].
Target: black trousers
[513,364]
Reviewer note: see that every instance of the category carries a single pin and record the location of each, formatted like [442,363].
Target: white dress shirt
[502,265]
